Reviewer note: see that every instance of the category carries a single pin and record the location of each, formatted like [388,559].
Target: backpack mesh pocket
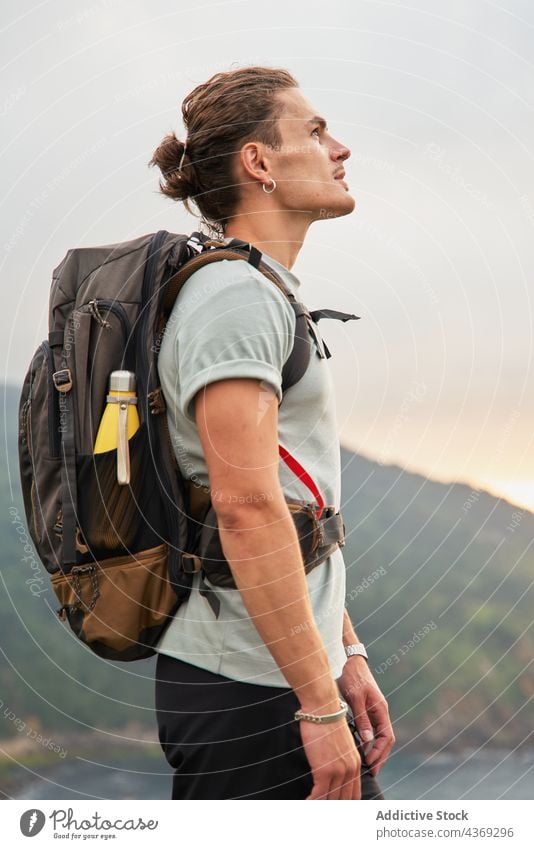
[120,517]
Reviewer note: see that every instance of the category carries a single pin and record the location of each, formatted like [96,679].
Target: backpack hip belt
[318,539]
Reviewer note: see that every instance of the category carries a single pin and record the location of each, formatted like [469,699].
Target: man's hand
[333,758]
[370,709]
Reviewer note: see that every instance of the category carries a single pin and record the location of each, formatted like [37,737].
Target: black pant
[227,739]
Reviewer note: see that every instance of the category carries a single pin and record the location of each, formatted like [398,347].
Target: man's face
[308,162]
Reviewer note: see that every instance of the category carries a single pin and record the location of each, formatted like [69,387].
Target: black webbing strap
[55,338]
[299,308]
[69,495]
[297,362]
[317,315]
[210,596]
[254,257]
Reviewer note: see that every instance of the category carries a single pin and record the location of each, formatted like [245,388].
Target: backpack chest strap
[317,315]
[306,321]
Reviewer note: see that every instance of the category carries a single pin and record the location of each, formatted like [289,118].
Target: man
[227,689]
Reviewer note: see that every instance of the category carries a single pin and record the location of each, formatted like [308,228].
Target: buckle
[62,380]
[80,545]
[331,528]
[195,243]
[194,566]
[156,400]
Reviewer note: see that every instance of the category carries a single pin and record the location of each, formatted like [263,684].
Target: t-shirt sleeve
[230,324]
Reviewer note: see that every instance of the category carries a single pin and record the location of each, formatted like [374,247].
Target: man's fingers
[363,723]
[320,789]
[384,737]
[379,714]
[366,731]
[378,754]
[346,789]
[324,788]
[384,742]
[351,789]
[357,786]
[334,791]
[334,787]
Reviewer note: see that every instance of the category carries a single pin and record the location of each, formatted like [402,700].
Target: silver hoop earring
[269,191]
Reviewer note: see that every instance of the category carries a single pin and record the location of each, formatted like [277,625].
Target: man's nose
[339,151]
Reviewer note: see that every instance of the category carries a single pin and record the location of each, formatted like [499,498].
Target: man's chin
[336,210]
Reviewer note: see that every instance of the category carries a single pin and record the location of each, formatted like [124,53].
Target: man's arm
[349,634]
[370,709]
[239,436]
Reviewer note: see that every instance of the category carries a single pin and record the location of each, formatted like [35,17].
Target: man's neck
[273,235]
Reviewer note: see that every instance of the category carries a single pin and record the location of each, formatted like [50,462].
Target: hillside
[458,570]
[438,586]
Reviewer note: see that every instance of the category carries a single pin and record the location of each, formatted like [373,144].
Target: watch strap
[356,649]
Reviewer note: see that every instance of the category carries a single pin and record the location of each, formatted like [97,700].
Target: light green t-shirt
[229,321]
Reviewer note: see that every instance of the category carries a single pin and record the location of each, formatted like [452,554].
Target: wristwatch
[356,648]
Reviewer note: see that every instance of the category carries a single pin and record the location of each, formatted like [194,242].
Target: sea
[482,774]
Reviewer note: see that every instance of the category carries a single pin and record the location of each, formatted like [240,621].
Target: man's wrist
[356,650]
[319,696]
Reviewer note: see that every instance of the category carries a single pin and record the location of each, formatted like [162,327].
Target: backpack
[121,558]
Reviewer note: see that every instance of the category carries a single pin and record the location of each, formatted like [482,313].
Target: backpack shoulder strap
[299,358]
[175,283]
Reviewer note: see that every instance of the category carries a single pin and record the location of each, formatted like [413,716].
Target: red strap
[303,475]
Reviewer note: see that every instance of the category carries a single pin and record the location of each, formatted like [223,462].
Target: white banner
[165,823]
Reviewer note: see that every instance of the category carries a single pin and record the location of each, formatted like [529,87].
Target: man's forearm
[262,548]
[349,634]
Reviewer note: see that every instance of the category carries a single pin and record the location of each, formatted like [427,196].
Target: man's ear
[255,160]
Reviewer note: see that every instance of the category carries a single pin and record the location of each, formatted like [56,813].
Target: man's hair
[220,115]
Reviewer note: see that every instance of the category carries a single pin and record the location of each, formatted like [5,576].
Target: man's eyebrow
[317,120]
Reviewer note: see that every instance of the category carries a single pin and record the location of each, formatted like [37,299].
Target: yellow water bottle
[119,421]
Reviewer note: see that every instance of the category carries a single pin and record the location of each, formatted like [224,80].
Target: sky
[435,103]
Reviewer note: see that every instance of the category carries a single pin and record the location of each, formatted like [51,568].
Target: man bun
[177,183]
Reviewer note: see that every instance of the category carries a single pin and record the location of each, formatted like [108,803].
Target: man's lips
[339,176]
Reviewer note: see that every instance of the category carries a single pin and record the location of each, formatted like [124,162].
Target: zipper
[117,309]
[35,511]
[58,527]
[23,432]
[114,307]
